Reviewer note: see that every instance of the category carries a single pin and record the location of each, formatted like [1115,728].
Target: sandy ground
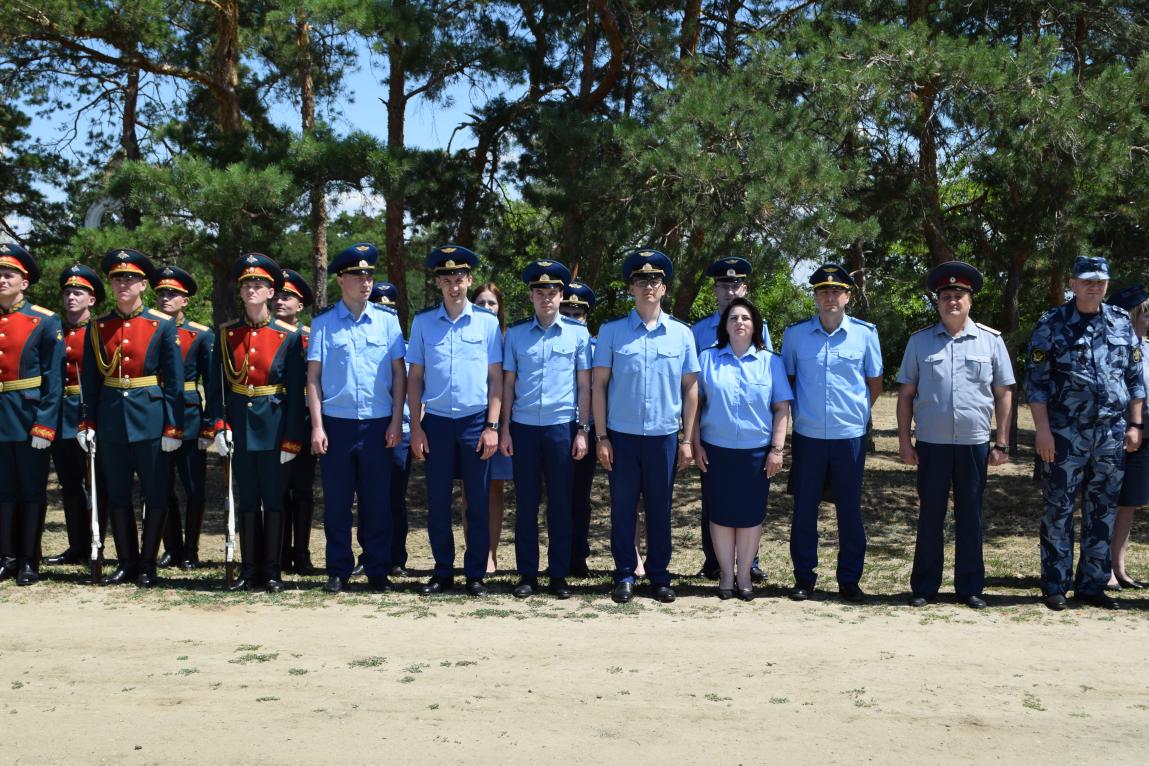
[190,674]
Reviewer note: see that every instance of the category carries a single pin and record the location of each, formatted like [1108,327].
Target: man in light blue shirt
[834,362]
[731,280]
[577,304]
[356,382]
[955,375]
[546,408]
[644,383]
[455,394]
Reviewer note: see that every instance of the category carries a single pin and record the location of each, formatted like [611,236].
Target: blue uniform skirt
[736,487]
[501,469]
[1135,485]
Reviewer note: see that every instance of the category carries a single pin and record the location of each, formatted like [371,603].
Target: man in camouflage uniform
[1084,388]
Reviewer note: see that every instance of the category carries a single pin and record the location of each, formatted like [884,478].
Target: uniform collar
[345,313]
[970,328]
[468,310]
[68,326]
[728,350]
[256,325]
[557,324]
[816,325]
[636,320]
[15,306]
[135,313]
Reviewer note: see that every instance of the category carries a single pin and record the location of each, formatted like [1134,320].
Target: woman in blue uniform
[744,411]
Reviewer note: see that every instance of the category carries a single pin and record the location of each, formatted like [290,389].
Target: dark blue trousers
[583,481]
[543,451]
[643,465]
[400,475]
[452,442]
[357,464]
[843,460]
[120,463]
[940,467]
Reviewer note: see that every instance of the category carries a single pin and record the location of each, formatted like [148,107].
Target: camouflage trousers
[1093,459]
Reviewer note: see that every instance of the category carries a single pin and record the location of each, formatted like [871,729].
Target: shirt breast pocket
[562,354]
[340,349]
[473,346]
[376,349]
[979,369]
[845,363]
[628,360]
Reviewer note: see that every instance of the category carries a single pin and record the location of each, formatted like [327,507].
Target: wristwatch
[1138,426]
[776,450]
[1001,448]
[491,425]
[584,427]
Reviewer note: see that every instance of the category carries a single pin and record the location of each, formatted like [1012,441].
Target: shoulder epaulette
[430,308]
[279,323]
[386,309]
[485,310]
[42,310]
[572,322]
[795,324]
[157,314]
[676,319]
[306,329]
[316,313]
[927,327]
[772,351]
[988,329]
[229,323]
[864,323]
[197,326]
[1116,309]
[614,319]
[524,320]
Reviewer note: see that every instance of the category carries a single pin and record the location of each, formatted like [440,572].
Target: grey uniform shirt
[955,378]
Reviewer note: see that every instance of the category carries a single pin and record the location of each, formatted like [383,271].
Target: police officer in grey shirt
[954,375]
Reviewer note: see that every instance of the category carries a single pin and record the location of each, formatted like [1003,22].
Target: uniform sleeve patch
[1137,354]
[1038,355]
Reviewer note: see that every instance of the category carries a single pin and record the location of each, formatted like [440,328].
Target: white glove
[223,443]
[39,442]
[286,457]
[202,444]
[87,439]
[170,443]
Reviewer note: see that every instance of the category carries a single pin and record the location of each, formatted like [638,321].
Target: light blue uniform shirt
[830,371]
[644,396]
[545,363]
[955,378]
[705,332]
[356,355]
[737,412]
[455,356]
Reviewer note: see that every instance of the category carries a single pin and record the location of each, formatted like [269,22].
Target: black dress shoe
[61,559]
[623,593]
[851,593]
[273,585]
[399,571]
[119,577]
[8,568]
[663,594]
[558,588]
[710,573]
[1056,602]
[746,594]
[241,584]
[380,584]
[801,591]
[579,569]
[190,563]
[145,580]
[437,584]
[164,560]
[525,588]
[475,587]
[304,566]
[725,593]
[757,574]
[358,570]
[27,575]
[917,601]
[1102,600]
[974,602]
[1114,587]
[1132,584]
[334,584]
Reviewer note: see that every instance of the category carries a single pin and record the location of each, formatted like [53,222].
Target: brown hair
[491,287]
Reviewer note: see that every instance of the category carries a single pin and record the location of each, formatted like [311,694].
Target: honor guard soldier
[644,384]
[1083,383]
[454,392]
[132,382]
[174,287]
[545,420]
[731,280]
[577,304]
[356,382]
[387,294]
[834,363]
[255,401]
[299,499]
[955,376]
[82,291]
[31,389]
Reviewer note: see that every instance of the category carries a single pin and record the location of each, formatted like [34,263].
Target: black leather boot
[31,530]
[249,527]
[302,517]
[195,527]
[272,547]
[9,564]
[173,534]
[123,522]
[155,522]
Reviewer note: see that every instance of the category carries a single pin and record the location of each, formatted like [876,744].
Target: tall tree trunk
[394,195]
[225,75]
[129,143]
[315,196]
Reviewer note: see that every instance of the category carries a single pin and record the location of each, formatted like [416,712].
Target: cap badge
[646,267]
[732,261]
[830,269]
[449,264]
[448,250]
[363,264]
[252,259]
[731,273]
[122,255]
[646,253]
[4,249]
[362,248]
[544,264]
[953,279]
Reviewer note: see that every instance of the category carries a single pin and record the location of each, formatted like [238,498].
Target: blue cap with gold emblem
[174,278]
[579,294]
[294,283]
[360,258]
[546,273]
[1130,297]
[446,260]
[732,269]
[384,293]
[954,275]
[13,256]
[832,275]
[646,263]
[124,260]
[84,277]
[1090,267]
[258,266]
